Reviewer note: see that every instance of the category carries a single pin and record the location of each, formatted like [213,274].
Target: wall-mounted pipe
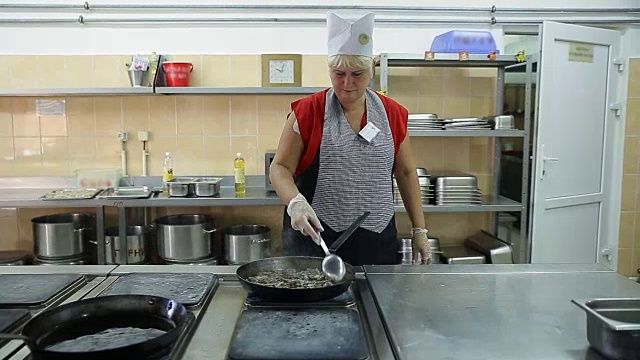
[379,8]
[89,6]
[187,20]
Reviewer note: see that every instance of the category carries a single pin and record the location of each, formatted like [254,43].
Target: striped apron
[350,176]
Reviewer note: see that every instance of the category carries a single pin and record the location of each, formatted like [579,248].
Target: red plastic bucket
[178,73]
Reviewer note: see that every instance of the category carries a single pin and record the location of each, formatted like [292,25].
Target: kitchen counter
[435,312]
[27,192]
[31,198]
[491,311]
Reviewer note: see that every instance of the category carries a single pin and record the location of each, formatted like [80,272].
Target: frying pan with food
[297,264]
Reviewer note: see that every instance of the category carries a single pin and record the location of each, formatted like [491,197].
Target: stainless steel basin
[613,326]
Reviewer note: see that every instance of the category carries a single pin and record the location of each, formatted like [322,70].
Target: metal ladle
[332,265]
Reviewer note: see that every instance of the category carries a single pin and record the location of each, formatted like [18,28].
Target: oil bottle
[167,172]
[239,174]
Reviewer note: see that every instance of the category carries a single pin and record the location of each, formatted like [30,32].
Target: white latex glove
[304,219]
[420,245]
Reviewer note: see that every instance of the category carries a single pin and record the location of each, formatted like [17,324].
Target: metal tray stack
[456,188]
[432,122]
[426,188]
[424,122]
[126,192]
[71,194]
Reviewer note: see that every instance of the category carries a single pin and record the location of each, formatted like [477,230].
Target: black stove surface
[10,317]
[188,289]
[345,299]
[32,290]
[298,333]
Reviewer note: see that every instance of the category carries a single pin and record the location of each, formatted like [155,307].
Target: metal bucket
[61,236]
[246,243]
[138,245]
[136,77]
[184,238]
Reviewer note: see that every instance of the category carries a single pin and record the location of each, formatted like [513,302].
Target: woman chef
[337,153]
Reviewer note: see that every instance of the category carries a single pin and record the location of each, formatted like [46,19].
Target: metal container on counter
[405,253]
[207,187]
[246,243]
[61,235]
[184,238]
[138,244]
[180,187]
[613,326]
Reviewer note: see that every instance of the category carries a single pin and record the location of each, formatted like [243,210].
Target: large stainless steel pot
[246,243]
[184,237]
[60,235]
[138,244]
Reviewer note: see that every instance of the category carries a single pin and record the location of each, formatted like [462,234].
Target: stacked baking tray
[426,188]
[456,188]
[424,122]
[432,122]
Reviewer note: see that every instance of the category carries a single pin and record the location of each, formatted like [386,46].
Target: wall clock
[282,70]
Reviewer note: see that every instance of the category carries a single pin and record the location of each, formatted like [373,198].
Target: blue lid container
[474,42]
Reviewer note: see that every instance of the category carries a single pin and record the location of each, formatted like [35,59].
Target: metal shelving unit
[502,64]
[489,204]
[238,90]
[467,133]
[107,91]
[131,91]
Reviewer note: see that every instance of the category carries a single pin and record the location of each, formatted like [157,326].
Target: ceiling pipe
[493,9]
[272,20]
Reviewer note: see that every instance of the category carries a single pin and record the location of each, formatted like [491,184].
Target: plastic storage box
[473,42]
[98,178]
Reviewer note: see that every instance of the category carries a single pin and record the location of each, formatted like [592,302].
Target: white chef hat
[347,38]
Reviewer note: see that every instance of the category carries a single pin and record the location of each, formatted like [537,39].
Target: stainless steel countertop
[435,312]
[491,312]
[26,192]
[24,198]
[484,269]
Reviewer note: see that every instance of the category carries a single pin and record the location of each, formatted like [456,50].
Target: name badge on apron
[369,132]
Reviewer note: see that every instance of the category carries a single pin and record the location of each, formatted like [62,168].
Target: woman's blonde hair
[358,62]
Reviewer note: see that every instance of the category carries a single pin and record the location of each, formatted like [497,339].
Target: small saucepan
[298,264]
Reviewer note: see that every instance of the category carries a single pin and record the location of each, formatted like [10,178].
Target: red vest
[310,114]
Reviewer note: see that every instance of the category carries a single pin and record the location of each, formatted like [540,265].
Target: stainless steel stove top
[219,311]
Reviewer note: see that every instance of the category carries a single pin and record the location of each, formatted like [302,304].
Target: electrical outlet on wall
[122,136]
[143,135]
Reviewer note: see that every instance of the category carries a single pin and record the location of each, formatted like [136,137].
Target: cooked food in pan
[292,279]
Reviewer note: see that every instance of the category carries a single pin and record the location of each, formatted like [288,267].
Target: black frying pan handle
[345,235]
[30,343]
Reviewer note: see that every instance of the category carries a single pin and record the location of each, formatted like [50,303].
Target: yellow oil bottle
[239,174]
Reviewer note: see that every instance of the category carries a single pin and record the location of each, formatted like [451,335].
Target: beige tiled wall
[629,245]
[204,132]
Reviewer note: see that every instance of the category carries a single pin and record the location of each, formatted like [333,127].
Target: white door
[573,150]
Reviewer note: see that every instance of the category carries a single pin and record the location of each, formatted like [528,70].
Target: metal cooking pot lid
[11,256]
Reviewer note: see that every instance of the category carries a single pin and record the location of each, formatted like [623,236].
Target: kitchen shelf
[108,91]
[447,60]
[502,64]
[256,196]
[467,133]
[238,90]
[125,91]
[489,204]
